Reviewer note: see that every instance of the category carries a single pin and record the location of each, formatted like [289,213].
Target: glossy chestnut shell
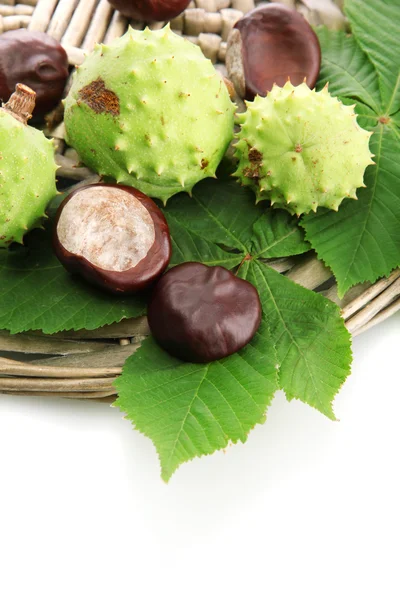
[269,45]
[150,10]
[112,235]
[37,60]
[200,314]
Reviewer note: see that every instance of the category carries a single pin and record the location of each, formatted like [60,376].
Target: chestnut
[37,60]
[112,235]
[150,10]
[269,45]
[200,314]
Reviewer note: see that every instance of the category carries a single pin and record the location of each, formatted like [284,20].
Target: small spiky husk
[160,118]
[27,178]
[301,149]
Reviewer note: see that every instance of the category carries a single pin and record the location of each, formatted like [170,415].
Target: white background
[306,508]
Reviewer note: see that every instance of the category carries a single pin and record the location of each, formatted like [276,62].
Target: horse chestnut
[150,10]
[269,45]
[201,314]
[37,60]
[114,236]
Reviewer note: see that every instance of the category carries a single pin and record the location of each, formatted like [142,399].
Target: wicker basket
[84,364]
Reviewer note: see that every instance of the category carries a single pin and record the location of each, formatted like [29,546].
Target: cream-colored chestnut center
[108,227]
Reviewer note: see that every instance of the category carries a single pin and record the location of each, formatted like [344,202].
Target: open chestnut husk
[271,44]
[201,314]
[150,10]
[114,236]
[37,60]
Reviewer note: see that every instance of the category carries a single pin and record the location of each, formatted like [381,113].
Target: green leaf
[366,117]
[225,214]
[375,25]
[346,69]
[361,242]
[276,234]
[221,212]
[395,122]
[191,410]
[311,340]
[38,293]
[189,246]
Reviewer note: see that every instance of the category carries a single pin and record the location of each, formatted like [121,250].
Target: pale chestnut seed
[114,236]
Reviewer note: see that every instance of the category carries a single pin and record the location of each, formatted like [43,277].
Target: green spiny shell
[301,149]
[150,111]
[27,178]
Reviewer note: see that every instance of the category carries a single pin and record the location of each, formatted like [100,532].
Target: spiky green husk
[175,116]
[301,149]
[27,178]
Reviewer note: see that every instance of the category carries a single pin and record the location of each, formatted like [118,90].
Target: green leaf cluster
[302,346]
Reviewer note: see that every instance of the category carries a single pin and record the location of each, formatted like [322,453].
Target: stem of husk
[21,103]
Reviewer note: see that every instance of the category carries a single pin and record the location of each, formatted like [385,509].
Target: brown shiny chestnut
[150,10]
[200,314]
[112,235]
[269,45]
[37,60]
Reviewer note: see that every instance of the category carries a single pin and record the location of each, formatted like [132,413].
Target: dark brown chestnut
[37,60]
[200,314]
[114,236]
[150,10]
[269,45]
